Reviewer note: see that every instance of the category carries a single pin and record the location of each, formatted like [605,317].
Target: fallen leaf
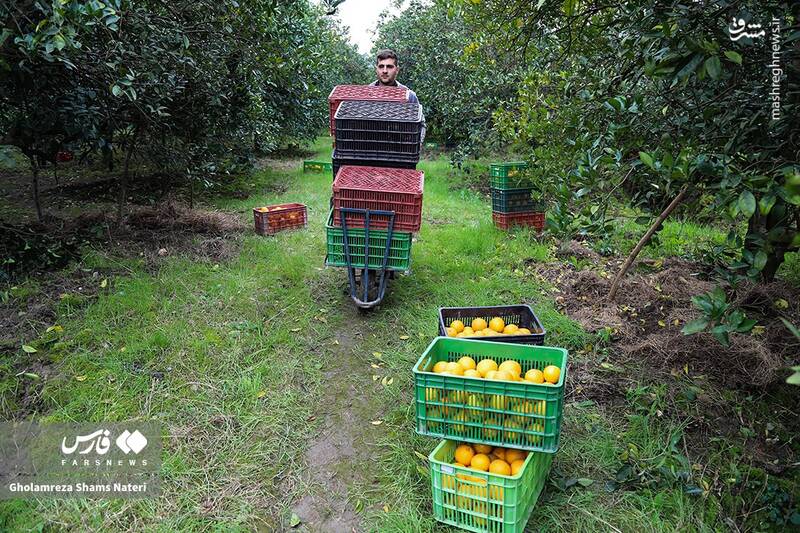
[375,377]
[323,310]
[758,330]
[383,381]
[336,341]
[28,349]
[81,378]
[322,319]
[662,324]
[29,375]
[261,394]
[676,322]
[391,380]
[585,482]
[294,521]
[781,303]
[376,422]
[377,355]
[56,328]
[404,337]
[373,365]
[104,284]
[385,508]
[294,330]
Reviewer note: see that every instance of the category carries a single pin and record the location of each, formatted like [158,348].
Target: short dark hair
[386,54]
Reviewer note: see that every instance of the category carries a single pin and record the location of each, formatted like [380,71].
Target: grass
[244,361]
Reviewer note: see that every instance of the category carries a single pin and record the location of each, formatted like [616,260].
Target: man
[386,68]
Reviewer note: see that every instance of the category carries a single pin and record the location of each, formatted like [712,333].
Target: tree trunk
[644,240]
[35,184]
[123,186]
[191,191]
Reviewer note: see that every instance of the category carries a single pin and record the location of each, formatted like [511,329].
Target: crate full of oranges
[491,393]
[479,487]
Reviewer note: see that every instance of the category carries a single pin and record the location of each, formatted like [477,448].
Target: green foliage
[642,97]
[194,87]
[718,317]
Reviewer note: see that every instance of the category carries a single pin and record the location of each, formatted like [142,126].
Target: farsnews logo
[100,442]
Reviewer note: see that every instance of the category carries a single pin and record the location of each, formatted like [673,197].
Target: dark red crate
[375,188]
[341,93]
[274,218]
[507,221]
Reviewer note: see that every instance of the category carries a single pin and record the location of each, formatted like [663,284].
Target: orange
[491,374]
[502,375]
[440,367]
[511,366]
[500,453]
[485,365]
[489,332]
[456,463]
[468,331]
[551,373]
[455,369]
[451,332]
[498,466]
[482,448]
[513,455]
[457,325]
[461,335]
[464,454]
[516,466]
[478,324]
[497,324]
[524,331]
[472,374]
[467,362]
[510,329]
[480,333]
[534,375]
[480,461]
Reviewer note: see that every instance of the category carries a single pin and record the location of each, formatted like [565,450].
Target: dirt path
[339,455]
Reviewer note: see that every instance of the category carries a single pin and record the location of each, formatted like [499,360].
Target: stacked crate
[363,93]
[512,201]
[377,148]
[376,189]
[510,414]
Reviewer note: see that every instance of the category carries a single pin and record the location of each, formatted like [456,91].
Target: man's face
[387,71]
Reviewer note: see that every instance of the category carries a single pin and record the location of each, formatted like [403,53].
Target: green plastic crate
[515,414]
[507,170]
[514,200]
[399,247]
[317,166]
[484,502]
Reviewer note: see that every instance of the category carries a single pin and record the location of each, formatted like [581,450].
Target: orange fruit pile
[480,328]
[508,370]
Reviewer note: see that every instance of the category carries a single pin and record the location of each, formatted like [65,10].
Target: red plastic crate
[341,93]
[274,218]
[375,188]
[507,220]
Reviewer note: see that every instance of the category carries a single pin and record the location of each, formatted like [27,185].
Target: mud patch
[332,454]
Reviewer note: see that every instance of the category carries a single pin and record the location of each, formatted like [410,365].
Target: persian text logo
[100,442]
[738,26]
